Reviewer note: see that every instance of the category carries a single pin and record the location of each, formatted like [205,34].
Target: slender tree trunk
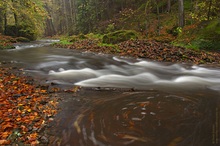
[209,10]
[66,16]
[15,19]
[196,6]
[5,23]
[1,21]
[191,10]
[168,6]
[147,21]
[158,18]
[75,11]
[181,14]
[16,24]
[72,23]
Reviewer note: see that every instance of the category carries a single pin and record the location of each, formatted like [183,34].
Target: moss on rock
[119,36]
[22,39]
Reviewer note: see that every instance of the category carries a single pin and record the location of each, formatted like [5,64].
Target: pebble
[44,140]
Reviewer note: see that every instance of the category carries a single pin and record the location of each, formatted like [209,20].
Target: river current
[163,104]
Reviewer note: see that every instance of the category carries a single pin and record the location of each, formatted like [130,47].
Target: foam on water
[143,75]
[119,81]
[25,46]
[72,74]
[39,43]
[51,63]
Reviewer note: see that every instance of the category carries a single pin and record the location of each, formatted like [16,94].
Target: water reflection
[145,118]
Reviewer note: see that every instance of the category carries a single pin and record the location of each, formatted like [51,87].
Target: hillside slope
[158,24]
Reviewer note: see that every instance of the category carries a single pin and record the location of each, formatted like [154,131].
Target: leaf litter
[148,49]
[25,109]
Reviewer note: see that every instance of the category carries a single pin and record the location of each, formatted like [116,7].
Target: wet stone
[43,102]
[29,97]
[44,140]
[17,95]
[30,128]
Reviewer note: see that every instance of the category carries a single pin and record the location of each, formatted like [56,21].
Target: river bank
[147,49]
[26,107]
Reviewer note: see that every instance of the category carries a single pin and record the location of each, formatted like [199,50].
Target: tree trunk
[147,21]
[209,10]
[72,19]
[168,6]
[15,19]
[181,14]
[66,16]
[75,11]
[49,30]
[1,21]
[5,23]
[16,24]
[158,18]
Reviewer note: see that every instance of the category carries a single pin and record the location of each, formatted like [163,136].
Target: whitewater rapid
[142,75]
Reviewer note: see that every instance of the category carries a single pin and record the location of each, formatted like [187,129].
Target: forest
[189,23]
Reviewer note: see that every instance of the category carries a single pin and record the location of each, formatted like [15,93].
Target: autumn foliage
[25,109]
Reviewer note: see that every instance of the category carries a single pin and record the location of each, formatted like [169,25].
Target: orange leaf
[4,142]
[9,110]
[34,142]
[4,127]
[5,135]
[18,119]
[32,136]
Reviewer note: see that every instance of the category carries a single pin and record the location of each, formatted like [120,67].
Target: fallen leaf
[4,142]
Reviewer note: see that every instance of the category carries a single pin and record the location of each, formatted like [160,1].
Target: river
[128,101]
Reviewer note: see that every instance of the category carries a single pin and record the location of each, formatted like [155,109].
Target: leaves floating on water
[130,137]
[76,123]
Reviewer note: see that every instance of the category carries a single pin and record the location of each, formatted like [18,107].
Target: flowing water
[160,104]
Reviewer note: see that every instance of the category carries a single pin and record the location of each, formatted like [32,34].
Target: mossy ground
[203,35]
[119,36]
[195,35]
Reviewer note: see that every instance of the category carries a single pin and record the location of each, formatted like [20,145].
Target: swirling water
[161,104]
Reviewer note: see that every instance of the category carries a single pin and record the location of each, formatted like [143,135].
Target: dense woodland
[163,20]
